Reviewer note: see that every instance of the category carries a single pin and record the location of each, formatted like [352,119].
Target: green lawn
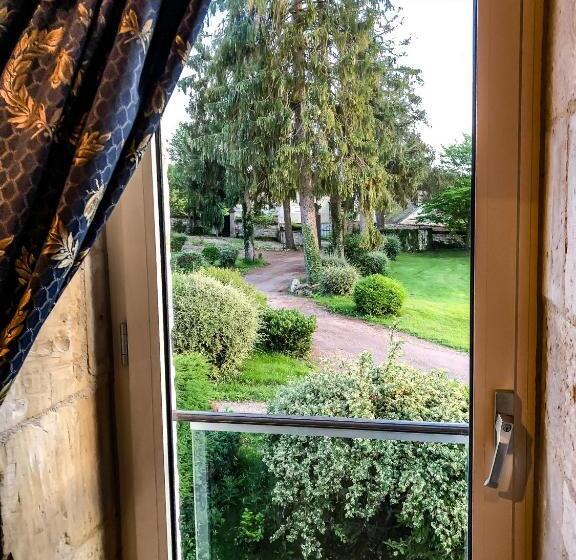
[261,376]
[438,304]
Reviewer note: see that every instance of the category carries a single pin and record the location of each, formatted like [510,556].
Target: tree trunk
[288,233]
[248,226]
[336,216]
[232,216]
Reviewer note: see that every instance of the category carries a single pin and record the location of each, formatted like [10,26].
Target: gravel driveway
[341,336]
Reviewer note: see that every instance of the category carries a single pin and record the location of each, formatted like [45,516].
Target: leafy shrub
[392,246]
[180,226]
[333,260]
[354,247]
[216,320]
[287,331]
[379,295]
[338,280]
[190,262]
[211,253]
[353,498]
[228,256]
[374,262]
[193,387]
[235,279]
[177,241]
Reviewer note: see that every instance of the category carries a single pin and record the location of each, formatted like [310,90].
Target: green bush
[235,279]
[216,320]
[287,331]
[374,262]
[378,295]
[177,241]
[193,387]
[180,226]
[346,498]
[228,256]
[189,262]
[211,253]
[333,260]
[354,247]
[338,280]
[392,246]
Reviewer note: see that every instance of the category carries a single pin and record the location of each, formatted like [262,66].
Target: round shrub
[190,262]
[228,256]
[338,280]
[216,320]
[392,246]
[177,241]
[374,262]
[287,331]
[379,295]
[235,279]
[333,492]
[211,253]
[333,260]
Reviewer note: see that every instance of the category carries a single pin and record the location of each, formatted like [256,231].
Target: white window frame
[509,52]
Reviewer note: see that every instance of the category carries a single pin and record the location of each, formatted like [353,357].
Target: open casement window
[503,360]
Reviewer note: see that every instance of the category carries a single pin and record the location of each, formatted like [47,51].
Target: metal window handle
[504,426]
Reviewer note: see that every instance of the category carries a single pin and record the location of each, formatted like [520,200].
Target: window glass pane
[259,496]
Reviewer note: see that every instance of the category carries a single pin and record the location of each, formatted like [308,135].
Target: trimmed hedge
[333,260]
[374,262]
[378,295]
[235,279]
[211,253]
[392,246]
[177,241]
[216,320]
[338,280]
[287,331]
[189,262]
[228,255]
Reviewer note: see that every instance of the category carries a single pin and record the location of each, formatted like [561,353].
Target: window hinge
[124,344]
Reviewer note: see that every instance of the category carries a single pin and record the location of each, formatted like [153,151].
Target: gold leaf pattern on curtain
[4,17]
[182,48]
[89,145]
[131,26]
[24,110]
[61,246]
[25,266]
[158,101]
[16,324]
[4,244]
[136,152]
[94,197]
[63,70]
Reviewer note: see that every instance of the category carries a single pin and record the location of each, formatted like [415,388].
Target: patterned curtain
[83,84]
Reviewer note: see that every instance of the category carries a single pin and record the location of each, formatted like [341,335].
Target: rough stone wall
[556,515]
[57,469]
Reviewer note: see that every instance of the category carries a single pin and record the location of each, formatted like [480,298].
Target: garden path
[345,337]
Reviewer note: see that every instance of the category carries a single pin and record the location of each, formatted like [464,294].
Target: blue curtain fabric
[83,84]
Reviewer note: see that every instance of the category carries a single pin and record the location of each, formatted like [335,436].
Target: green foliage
[189,262]
[228,256]
[392,246]
[339,280]
[235,279]
[379,295]
[451,199]
[216,320]
[332,260]
[177,241]
[287,331]
[311,255]
[354,247]
[211,253]
[251,528]
[374,262]
[343,498]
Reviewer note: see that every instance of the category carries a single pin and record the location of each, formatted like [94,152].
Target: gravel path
[341,336]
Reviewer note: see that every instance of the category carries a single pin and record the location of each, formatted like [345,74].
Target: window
[318,445]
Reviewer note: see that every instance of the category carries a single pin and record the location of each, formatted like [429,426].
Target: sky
[441,33]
